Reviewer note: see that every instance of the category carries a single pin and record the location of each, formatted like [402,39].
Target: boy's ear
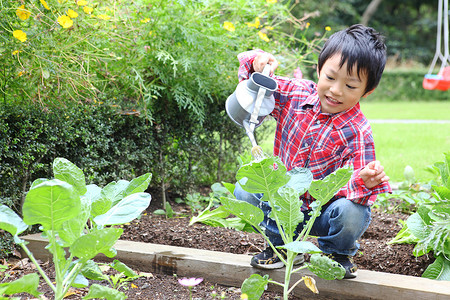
[368,93]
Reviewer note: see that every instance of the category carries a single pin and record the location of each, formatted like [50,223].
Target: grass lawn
[418,145]
[407,110]
[398,145]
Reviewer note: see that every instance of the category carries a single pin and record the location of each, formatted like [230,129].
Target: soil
[374,254]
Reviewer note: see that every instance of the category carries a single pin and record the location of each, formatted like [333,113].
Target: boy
[321,127]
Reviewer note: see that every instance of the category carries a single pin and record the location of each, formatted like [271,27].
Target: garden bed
[162,283]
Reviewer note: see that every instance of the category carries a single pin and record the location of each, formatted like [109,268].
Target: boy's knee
[350,214]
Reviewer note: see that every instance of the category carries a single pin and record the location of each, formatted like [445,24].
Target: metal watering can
[252,101]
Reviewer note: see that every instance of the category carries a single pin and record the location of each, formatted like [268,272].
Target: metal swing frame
[432,81]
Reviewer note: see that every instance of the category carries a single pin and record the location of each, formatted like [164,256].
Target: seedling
[78,222]
[282,190]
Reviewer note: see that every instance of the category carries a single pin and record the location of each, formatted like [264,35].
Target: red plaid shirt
[329,141]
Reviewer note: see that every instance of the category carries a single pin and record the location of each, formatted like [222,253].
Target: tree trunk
[370,10]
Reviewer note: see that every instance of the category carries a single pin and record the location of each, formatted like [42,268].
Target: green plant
[119,280]
[216,215]
[75,217]
[409,195]
[282,190]
[168,211]
[429,227]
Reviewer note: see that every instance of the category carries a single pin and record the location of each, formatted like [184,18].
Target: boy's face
[338,90]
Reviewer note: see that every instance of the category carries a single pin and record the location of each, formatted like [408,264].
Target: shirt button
[306,145]
[318,122]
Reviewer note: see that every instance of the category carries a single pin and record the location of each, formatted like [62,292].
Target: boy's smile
[339,90]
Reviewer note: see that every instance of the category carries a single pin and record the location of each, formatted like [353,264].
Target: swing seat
[441,81]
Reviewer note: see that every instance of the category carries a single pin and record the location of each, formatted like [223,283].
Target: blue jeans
[339,226]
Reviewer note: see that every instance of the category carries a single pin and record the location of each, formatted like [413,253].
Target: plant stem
[295,284]
[70,278]
[38,267]
[287,273]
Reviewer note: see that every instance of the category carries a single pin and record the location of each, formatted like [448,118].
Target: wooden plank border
[232,269]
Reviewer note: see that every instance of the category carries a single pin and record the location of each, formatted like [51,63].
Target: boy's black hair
[358,45]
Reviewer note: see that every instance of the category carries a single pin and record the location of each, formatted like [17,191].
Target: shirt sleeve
[355,190]
[246,63]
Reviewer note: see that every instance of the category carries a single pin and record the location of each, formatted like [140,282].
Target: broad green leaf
[442,191]
[439,269]
[218,213]
[247,212]
[93,193]
[37,182]
[138,185]
[254,286]
[287,206]
[50,204]
[220,190]
[264,176]
[125,211]
[101,291]
[92,271]
[115,191]
[10,221]
[73,228]
[28,284]
[417,226]
[123,268]
[80,281]
[101,241]
[229,186]
[300,179]
[66,171]
[159,212]
[169,210]
[323,190]
[404,236]
[100,206]
[301,247]
[325,267]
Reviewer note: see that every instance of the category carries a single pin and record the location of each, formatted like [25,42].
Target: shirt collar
[340,119]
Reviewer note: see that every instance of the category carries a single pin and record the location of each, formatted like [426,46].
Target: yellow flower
[103,17]
[72,14]
[229,26]
[20,73]
[81,2]
[20,35]
[310,284]
[244,296]
[327,28]
[146,20]
[263,36]
[65,21]
[44,4]
[22,13]
[15,52]
[269,27]
[256,24]
[271,1]
[308,24]
[88,9]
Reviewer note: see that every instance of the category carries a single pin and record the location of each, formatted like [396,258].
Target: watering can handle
[258,101]
[266,70]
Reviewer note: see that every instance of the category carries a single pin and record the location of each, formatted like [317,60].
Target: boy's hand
[373,174]
[262,59]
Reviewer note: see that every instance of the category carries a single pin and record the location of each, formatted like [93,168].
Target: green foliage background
[131,88]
